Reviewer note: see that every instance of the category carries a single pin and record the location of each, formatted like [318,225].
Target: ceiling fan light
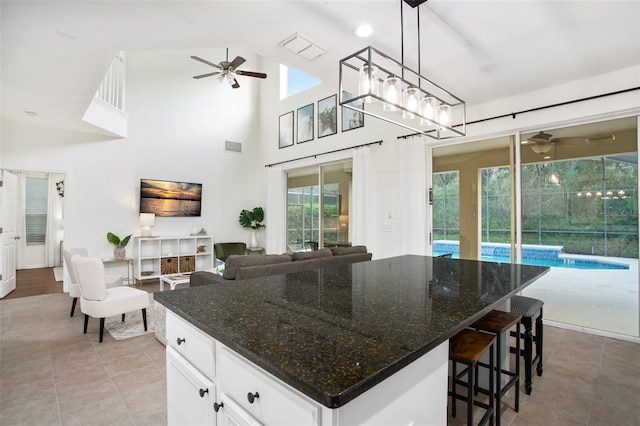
[368,82]
[411,102]
[392,93]
[541,148]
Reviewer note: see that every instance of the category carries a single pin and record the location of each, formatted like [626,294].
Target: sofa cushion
[306,255]
[339,251]
[235,261]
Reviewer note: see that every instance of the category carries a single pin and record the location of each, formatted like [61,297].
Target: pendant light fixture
[397,94]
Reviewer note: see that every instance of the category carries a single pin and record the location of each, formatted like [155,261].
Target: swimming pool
[552,256]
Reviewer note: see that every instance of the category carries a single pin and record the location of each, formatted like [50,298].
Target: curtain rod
[513,114]
[325,153]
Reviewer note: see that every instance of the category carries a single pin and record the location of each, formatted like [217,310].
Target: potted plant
[120,251]
[252,219]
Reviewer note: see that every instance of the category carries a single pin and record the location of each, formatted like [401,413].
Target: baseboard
[603,333]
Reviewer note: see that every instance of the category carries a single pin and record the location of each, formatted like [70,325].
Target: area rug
[57,273]
[132,325]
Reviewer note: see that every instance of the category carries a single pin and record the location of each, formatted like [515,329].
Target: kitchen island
[355,344]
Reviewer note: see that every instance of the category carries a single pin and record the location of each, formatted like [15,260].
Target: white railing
[111,90]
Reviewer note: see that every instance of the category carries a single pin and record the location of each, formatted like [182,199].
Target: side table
[129,262]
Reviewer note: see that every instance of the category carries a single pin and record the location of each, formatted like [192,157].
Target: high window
[294,81]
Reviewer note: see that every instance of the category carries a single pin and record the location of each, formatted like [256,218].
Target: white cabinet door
[231,414]
[190,395]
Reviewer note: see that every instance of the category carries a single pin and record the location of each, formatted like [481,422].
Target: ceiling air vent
[232,147]
[301,46]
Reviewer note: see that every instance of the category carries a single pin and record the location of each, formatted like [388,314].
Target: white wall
[177,128]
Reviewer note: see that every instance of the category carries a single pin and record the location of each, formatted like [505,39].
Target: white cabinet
[190,395]
[172,255]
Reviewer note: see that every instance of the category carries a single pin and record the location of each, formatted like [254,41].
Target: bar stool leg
[517,403]
[470,383]
[528,349]
[539,343]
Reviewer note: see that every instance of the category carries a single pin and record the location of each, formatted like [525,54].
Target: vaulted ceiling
[54,54]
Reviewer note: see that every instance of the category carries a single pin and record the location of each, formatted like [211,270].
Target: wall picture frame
[352,119]
[328,116]
[285,130]
[304,122]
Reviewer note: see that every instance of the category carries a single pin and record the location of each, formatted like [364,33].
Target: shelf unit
[157,256]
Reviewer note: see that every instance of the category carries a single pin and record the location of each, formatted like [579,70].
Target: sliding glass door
[318,207]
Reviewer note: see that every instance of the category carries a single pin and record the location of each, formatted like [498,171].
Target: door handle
[17,237]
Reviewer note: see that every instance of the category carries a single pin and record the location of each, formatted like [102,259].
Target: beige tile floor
[51,373]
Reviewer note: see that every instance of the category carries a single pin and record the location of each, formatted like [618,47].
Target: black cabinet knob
[217,407]
[179,340]
[203,392]
[252,397]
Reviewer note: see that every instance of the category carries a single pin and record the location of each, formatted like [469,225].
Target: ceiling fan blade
[204,61]
[235,84]
[239,60]
[252,74]
[207,75]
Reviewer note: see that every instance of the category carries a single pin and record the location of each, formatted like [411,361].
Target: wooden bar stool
[531,310]
[466,348]
[497,323]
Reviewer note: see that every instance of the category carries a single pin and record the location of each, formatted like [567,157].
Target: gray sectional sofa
[239,267]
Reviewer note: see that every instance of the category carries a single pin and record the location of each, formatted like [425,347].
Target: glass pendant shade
[392,93]
[429,110]
[411,102]
[444,117]
[368,82]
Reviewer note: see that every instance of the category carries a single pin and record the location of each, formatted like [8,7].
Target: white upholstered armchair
[74,288]
[98,301]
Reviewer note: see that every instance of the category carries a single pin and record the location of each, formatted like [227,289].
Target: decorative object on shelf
[305,123]
[147,220]
[194,230]
[399,95]
[201,249]
[60,188]
[252,219]
[120,251]
[327,116]
[202,231]
[285,130]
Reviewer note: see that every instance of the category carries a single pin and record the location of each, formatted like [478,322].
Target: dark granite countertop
[333,333]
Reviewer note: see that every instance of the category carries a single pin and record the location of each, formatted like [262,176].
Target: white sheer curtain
[363,202]
[53,233]
[275,214]
[21,226]
[413,198]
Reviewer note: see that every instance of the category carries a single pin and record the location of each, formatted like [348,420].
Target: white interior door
[8,233]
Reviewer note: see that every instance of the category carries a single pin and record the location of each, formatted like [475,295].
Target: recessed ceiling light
[363,30]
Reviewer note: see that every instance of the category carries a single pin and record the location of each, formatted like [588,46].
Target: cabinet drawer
[194,345]
[276,404]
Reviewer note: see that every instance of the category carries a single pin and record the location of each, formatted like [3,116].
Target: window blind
[36,210]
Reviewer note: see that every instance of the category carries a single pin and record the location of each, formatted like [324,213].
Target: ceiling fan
[228,70]
[542,142]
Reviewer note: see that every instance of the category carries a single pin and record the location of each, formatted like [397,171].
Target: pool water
[538,255]
[576,263]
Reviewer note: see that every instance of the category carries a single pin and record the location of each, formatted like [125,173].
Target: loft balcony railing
[112,88]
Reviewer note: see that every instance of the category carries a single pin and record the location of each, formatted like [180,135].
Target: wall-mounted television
[169,198]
